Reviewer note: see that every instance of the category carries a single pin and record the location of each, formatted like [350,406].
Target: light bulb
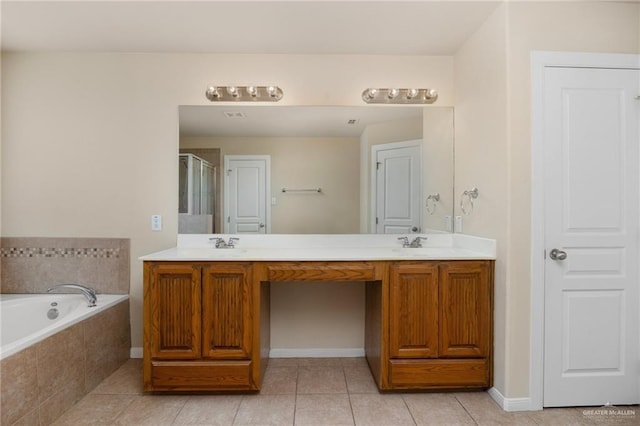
[233,91]
[212,93]
[412,93]
[272,91]
[430,94]
[371,93]
[252,91]
[393,93]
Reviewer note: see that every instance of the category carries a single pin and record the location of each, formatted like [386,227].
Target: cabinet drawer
[201,375]
[439,373]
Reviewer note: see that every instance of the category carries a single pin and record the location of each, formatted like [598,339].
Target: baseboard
[135,353]
[316,353]
[510,404]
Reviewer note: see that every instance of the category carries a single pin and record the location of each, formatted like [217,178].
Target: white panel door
[246,194]
[591,221]
[398,188]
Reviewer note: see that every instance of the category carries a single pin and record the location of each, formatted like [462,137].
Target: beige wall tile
[32,418]
[60,401]
[41,382]
[33,264]
[60,360]
[19,386]
[109,329]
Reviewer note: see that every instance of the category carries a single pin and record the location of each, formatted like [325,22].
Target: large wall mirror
[323,168]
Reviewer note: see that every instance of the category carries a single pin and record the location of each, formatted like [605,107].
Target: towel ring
[431,207]
[467,199]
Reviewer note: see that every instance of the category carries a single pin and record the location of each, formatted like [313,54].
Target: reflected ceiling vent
[353,121]
[234,114]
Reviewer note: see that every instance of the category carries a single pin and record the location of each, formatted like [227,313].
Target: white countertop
[338,247]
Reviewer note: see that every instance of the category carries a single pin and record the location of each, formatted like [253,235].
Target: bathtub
[25,317]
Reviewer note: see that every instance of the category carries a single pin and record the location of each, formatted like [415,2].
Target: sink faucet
[89,293]
[415,243]
[221,243]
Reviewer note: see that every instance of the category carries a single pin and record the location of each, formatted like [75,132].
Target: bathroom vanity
[429,311]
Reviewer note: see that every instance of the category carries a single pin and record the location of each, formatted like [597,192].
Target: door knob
[557,254]
[261,225]
[414,229]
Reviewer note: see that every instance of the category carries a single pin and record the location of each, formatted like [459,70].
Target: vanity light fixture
[244,93]
[399,96]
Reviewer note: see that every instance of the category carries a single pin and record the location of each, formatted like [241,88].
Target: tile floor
[332,392]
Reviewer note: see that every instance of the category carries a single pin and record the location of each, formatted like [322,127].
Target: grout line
[408,409]
[465,409]
[235,416]
[180,410]
[353,416]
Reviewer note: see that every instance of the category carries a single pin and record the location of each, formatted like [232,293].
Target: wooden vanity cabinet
[198,326]
[440,325]
[428,324]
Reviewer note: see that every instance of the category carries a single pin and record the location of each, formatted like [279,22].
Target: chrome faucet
[405,241]
[89,293]
[415,243]
[221,243]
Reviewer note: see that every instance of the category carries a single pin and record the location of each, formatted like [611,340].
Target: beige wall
[90,140]
[481,157]
[328,163]
[492,98]
[583,27]
[438,165]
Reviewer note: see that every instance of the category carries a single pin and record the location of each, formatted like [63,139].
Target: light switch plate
[448,223]
[458,225]
[156,222]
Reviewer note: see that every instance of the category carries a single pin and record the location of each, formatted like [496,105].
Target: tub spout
[87,291]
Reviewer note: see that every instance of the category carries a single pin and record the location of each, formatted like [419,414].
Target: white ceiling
[286,27]
[289,121]
[289,27]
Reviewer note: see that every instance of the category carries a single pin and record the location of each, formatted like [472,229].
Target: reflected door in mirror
[247,192]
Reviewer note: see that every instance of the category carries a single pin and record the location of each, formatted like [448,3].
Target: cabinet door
[465,309]
[413,310]
[226,311]
[175,311]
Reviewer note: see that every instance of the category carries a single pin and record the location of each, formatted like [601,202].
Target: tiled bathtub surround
[41,382]
[33,264]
